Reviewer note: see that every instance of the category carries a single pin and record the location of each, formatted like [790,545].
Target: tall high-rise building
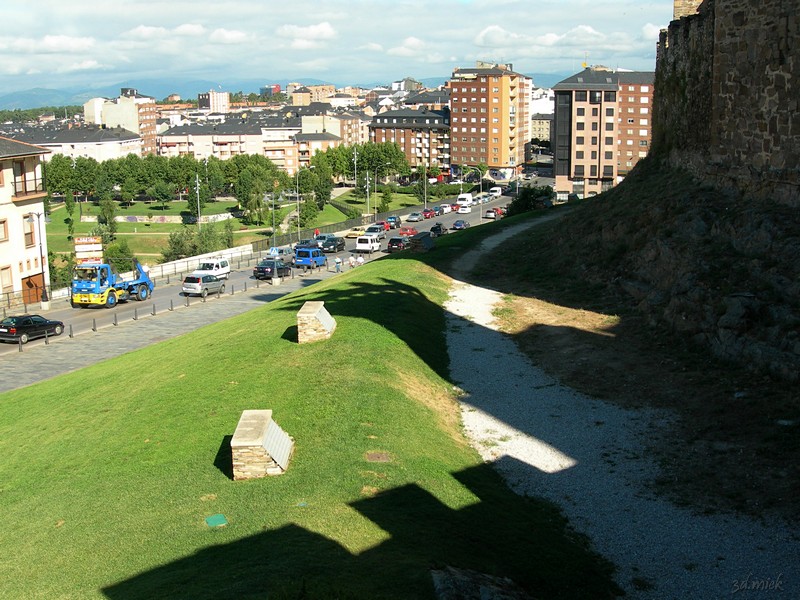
[489,117]
[602,127]
[215,102]
[131,111]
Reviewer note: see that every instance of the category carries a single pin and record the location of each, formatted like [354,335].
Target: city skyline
[61,45]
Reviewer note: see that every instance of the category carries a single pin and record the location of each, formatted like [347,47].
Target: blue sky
[59,44]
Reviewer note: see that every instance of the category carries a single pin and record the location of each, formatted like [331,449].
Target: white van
[220,267]
[368,243]
[465,199]
[495,192]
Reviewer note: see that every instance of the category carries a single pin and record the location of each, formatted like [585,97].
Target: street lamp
[30,219]
[480,176]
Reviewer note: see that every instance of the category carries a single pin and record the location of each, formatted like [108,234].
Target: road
[94,334]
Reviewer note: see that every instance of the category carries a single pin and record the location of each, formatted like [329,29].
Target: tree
[207,239]
[107,214]
[308,213]
[128,190]
[58,174]
[119,255]
[180,244]
[386,198]
[69,206]
[60,269]
[85,173]
[227,233]
[161,192]
[103,232]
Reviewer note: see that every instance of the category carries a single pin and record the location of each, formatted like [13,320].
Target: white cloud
[86,65]
[144,32]
[307,37]
[189,29]
[371,47]
[50,44]
[227,36]
[495,36]
[411,47]
[651,32]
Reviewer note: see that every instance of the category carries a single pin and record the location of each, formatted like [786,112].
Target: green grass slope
[109,473]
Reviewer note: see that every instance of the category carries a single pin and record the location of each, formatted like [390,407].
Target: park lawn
[110,472]
[398,201]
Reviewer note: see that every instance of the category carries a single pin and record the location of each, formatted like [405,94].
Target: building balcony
[28,187]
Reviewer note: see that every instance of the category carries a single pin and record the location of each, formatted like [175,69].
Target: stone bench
[259,446]
[314,323]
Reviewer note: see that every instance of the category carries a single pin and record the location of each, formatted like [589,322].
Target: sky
[61,44]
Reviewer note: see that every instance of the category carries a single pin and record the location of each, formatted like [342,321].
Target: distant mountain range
[161,88]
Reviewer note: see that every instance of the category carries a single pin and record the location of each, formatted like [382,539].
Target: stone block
[314,323]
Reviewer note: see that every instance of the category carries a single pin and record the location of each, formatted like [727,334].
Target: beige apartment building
[602,127]
[489,117]
[215,102]
[131,111]
[423,135]
[24,271]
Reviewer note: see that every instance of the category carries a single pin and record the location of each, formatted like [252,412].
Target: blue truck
[98,284]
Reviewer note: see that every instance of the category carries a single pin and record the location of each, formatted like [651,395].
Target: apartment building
[87,141]
[601,128]
[24,271]
[215,102]
[489,117]
[423,135]
[354,127]
[131,111]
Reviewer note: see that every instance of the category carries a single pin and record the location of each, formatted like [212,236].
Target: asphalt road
[95,334]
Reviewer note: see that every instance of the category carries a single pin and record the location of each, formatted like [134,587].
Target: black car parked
[396,244]
[28,327]
[438,229]
[334,244]
[271,267]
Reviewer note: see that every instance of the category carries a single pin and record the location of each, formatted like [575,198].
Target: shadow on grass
[499,534]
[224,459]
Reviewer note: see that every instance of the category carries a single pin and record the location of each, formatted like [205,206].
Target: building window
[608,155]
[594,96]
[610,96]
[6,282]
[643,142]
[644,100]
[593,172]
[580,96]
[28,228]
[594,126]
[579,141]
[594,112]
[609,141]
[644,110]
[594,154]
[594,140]
[581,112]
[579,155]
[580,126]
[3,230]
[645,89]
[609,127]
[642,121]
[609,112]
[630,121]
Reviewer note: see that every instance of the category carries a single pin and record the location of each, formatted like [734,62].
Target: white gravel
[588,457]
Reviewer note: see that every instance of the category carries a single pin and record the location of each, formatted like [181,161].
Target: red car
[428,213]
[455,207]
[384,224]
[407,230]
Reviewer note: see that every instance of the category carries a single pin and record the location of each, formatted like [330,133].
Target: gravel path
[589,457]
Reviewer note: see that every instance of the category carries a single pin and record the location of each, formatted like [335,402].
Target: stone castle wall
[726,102]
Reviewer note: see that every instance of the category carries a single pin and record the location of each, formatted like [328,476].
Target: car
[27,327]
[394,221]
[219,267]
[202,285]
[495,192]
[377,230]
[454,207]
[460,224]
[334,244]
[464,208]
[428,213]
[385,224]
[438,229]
[415,217]
[306,244]
[354,232]
[323,237]
[445,208]
[407,230]
[281,252]
[309,257]
[368,243]
[500,211]
[490,214]
[395,244]
[271,267]
[456,182]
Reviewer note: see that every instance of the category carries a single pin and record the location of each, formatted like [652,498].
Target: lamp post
[480,177]
[30,219]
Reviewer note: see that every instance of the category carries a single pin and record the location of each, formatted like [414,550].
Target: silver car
[202,285]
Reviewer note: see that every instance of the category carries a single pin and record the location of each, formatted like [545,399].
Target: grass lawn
[398,201]
[109,472]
